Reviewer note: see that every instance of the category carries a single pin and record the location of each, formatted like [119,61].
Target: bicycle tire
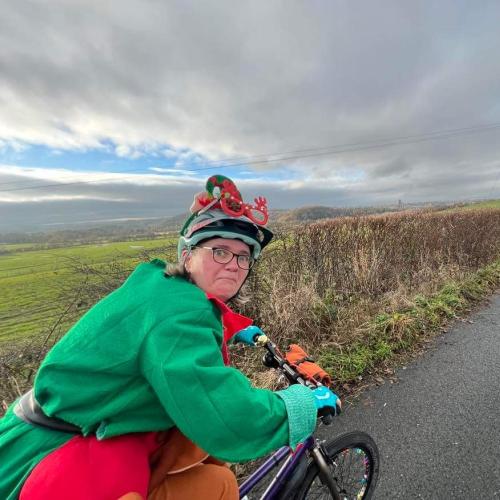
[359,444]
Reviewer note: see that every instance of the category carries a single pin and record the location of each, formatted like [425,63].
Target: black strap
[307,358]
[28,409]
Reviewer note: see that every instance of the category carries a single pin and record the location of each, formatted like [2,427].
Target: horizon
[145,223]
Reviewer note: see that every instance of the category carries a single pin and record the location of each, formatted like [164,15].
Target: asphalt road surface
[438,426]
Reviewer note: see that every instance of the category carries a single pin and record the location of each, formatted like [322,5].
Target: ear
[186,258]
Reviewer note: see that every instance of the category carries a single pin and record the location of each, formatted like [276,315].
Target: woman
[138,398]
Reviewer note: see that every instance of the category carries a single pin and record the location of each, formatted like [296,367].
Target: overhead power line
[263,159]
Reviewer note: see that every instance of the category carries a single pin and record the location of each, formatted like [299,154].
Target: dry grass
[323,285]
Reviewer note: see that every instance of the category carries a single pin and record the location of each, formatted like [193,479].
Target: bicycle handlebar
[274,359]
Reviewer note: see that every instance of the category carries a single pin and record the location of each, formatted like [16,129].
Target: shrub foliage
[324,283]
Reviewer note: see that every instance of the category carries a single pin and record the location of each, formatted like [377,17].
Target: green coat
[147,358]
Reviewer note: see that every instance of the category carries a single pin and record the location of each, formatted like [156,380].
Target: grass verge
[389,334]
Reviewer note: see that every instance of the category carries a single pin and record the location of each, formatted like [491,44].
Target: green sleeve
[213,405]
[301,410]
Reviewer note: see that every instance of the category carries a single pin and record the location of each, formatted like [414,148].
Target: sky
[118,110]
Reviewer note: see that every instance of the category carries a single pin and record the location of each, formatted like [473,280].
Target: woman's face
[221,280]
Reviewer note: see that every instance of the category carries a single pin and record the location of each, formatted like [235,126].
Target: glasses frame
[251,260]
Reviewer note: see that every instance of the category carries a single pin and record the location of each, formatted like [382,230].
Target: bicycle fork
[324,471]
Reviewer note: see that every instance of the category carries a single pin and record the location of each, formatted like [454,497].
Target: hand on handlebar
[248,335]
[327,402]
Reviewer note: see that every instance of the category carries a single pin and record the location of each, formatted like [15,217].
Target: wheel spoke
[350,469]
[353,462]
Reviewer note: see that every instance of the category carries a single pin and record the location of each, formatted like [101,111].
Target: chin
[225,295]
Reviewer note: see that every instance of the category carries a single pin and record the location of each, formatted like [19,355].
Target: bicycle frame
[292,458]
[284,473]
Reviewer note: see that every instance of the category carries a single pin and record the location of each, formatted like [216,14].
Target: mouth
[233,280]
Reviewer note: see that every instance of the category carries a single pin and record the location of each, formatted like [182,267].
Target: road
[438,426]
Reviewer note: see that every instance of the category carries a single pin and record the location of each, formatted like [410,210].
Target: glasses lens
[245,261]
[221,255]
[256,215]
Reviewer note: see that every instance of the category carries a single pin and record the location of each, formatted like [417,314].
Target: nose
[232,264]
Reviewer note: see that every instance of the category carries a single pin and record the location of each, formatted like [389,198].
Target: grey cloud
[244,78]
[397,166]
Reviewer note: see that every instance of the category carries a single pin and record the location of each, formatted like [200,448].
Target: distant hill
[314,213]
[121,230]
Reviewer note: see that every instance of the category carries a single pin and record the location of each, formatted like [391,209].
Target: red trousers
[158,466]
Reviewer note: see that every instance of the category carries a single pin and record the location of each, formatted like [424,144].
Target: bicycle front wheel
[353,460]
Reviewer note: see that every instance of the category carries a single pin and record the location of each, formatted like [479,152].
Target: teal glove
[246,336]
[325,398]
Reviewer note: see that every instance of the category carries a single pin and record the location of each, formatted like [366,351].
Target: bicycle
[343,468]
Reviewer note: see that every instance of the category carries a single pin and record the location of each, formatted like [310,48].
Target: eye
[244,258]
[220,252]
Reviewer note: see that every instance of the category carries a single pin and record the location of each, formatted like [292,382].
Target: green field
[485,204]
[33,281]
[477,205]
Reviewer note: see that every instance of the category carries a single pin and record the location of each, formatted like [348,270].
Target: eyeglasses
[223,256]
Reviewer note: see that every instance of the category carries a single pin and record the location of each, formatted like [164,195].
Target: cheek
[243,276]
[202,272]
[193,267]
[209,276]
